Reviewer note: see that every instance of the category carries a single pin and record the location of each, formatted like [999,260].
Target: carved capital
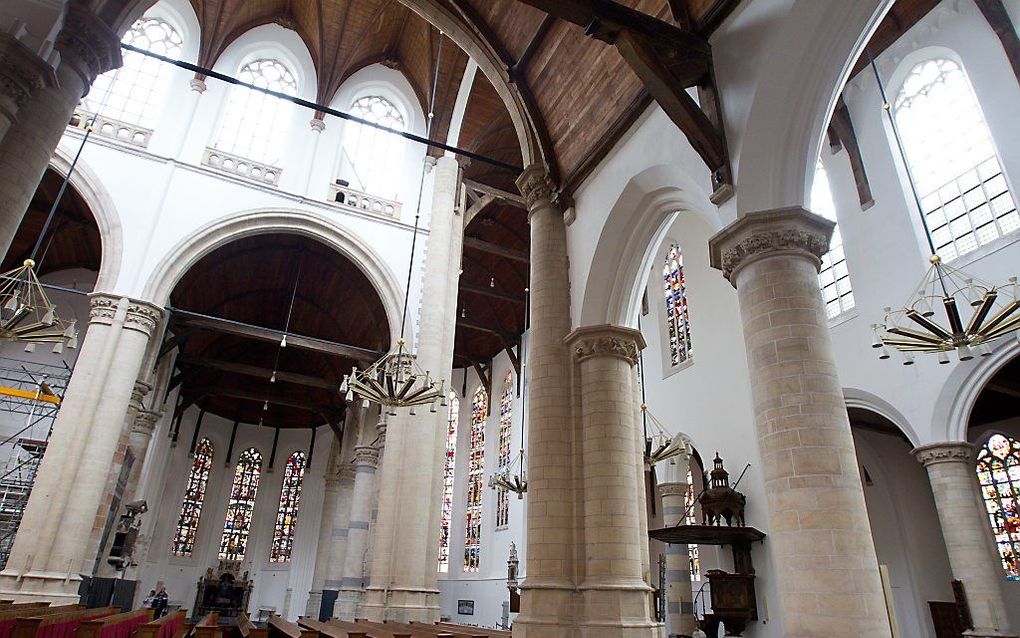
[783,231]
[139,392]
[22,73]
[346,474]
[143,317]
[536,185]
[88,44]
[145,422]
[317,125]
[138,315]
[102,308]
[366,456]
[672,489]
[946,452]
[606,341]
[198,85]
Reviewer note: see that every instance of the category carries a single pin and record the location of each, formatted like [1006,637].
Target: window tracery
[833,277]
[476,469]
[678,320]
[135,92]
[255,125]
[998,468]
[241,505]
[287,511]
[376,156]
[194,497]
[446,514]
[506,419]
[964,195]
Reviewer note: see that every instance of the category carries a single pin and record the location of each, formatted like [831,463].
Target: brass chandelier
[512,477]
[28,316]
[931,321]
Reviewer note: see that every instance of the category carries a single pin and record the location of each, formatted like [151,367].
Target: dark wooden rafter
[842,134]
[516,72]
[998,18]
[274,398]
[484,372]
[495,249]
[475,190]
[492,292]
[505,335]
[668,60]
[254,371]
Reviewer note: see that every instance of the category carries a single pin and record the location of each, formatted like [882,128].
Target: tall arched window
[506,420]
[476,468]
[834,278]
[194,496]
[949,148]
[255,125]
[376,156]
[287,511]
[998,471]
[678,319]
[446,514]
[135,92]
[241,505]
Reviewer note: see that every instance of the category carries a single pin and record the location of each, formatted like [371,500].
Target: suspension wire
[641,376]
[325,109]
[887,107]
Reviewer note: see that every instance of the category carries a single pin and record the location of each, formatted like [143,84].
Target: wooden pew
[166,627]
[248,629]
[495,633]
[336,628]
[279,627]
[9,615]
[115,626]
[209,626]
[63,624]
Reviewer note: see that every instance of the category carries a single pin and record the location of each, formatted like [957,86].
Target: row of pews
[311,628]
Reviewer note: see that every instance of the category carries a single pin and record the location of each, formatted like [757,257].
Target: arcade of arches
[645,245]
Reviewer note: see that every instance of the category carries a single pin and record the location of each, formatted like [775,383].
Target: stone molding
[346,474]
[366,456]
[945,452]
[784,231]
[673,489]
[88,44]
[139,392]
[140,315]
[22,72]
[605,341]
[536,185]
[317,125]
[198,85]
[145,422]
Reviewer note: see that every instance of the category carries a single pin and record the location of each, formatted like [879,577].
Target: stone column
[52,547]
[87,47]
[22,73]
[972,556]
[352,584]
[548,590]
[826,570]
[403,585]
[330,497]
[680,620]
[615,599]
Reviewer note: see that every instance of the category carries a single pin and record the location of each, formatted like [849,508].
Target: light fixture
[28,316]
[932,319]
[512,477]
[660,445]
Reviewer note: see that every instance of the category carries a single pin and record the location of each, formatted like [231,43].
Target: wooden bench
[336,628]
[49,623]
[494,633]
[166,627]
[247,628]
[122,625]
[279,627]
[10,614]
[208,627]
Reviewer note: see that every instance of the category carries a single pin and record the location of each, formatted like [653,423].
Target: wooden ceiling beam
[998,19]
[1006,390]
[714,16]
[492,292]
[500,195]
[248,331]
[273,398]
[480,327]
[496,249]
[256,371]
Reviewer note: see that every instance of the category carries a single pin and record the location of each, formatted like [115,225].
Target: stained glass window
[446,515]
[693,555]
[506,419]
[254,124]
[476,468]
[998,471]
[287,512]
[376,156]
[964,194]
[678,319]
[241,505]
[833,277]
[194,496]
[135,92]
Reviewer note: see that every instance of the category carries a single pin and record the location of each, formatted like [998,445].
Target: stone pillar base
[57,587]
[400,605]
[559,610]
[348,601]
[314,604]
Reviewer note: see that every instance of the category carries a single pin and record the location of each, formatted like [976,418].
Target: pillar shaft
[819,533]
[972,556]
[352,583]
[22,73]
[680,620]
[64,507]
[87,48]
[403,584]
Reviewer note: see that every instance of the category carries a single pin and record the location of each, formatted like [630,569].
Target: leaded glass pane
[194,496]
[834,276]
[998,470]
[476,468]
[446,515]
[375,155]
[254,124]
[505,429]
[241,506]
[678,320]
[287,511]
[693,554]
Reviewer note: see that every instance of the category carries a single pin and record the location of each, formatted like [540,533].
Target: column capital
[366,456]
[22,72]
[345,474]
[88,44]
[145,422]
[139,392]
[945,452]
[673,489]
[138,315]
[605,341]
[316,124]
[536,185]
[783,231]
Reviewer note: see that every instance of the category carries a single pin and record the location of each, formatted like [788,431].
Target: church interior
[492,318]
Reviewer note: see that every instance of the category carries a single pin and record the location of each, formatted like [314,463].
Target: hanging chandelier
[395,381]
[660,445]
[28,316]
[931,320]
[513,477]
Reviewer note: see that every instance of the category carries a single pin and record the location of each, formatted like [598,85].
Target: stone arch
[856,398]
[635,227]
[809,57]
[88,185]
[205,239]
[951,416]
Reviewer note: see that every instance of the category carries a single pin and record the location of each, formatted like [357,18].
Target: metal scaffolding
[31,391]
